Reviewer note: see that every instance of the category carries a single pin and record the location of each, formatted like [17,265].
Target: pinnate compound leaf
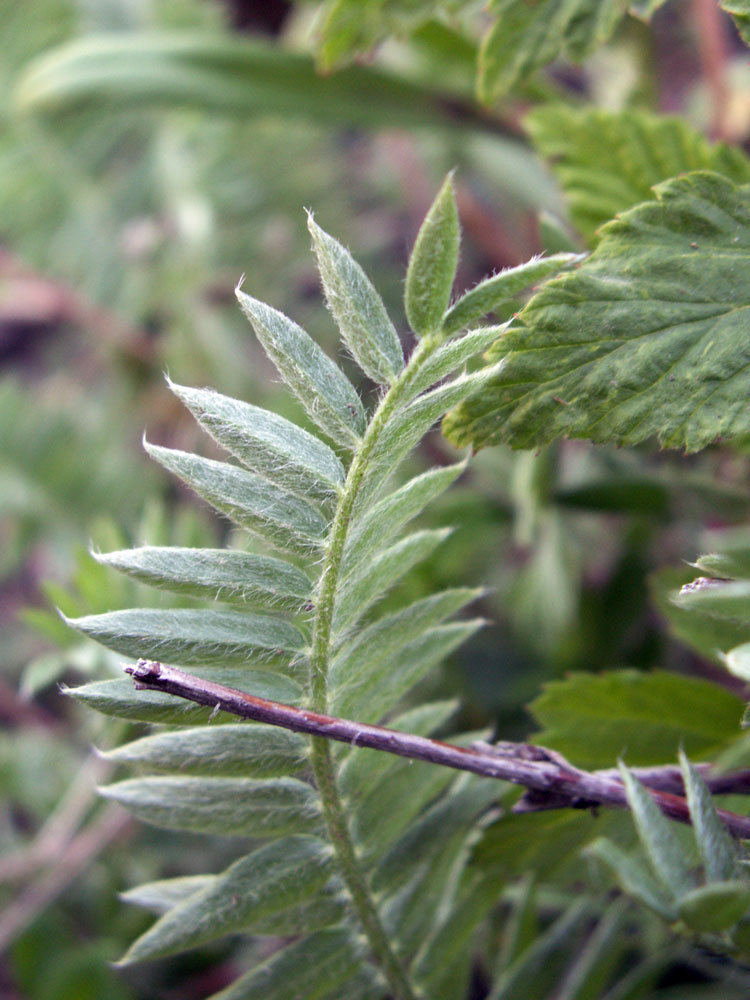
[276,877]
[647,337]
[501,288]
[251,751]
[358,309]
[266,443]
[222,574]
[119,698]
[524,37]
[433,263]
[222,806]
[192,638]
[453,354]
[283,519]
[633,877]
[715,907]
[609,161]
[658,837]
[593,719]
[319,384]
[715,845]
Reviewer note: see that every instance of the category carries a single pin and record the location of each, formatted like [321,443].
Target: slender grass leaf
[279,875]
[433,263]
[715,907]
[266,443]
[716,847]
[361,589]
[646,338]
[192,638]
[452,355]
[525,37]
[225,76]
[283,519]
[251,751]
[161,896]
[320,385]
[357,309]
[599,956]
[522,925]
[223,574]
[377,645]
[363,769]
[120,698]
[593,719]
[608,161]
[658,838]
[719,598]
[222,806]
[487,296]
[375,527]
[634,879]
[375,695]
[311,968]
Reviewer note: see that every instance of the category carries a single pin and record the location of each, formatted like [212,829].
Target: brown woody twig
[551,781]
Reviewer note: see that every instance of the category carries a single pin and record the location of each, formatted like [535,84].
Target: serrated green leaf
[357,309]
[382,690]
[715,845]
[120,698]
[646,338]
[277,876]
[715,907]
[608,161]
[377,646]
[740,11]
[280,518]
[226,75]
[525,37]
[362,588]
[375,527]
[222,806]
[593,719]
[223,574]
[192,638]
[452,355]
[658,838]
[311,968]
[250,751]
[319,384]
[487,296]
[634,879]
[718,598]
[162,895]
[266,443]
[433,263]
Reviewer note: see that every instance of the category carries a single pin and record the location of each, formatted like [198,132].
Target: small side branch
[551,781]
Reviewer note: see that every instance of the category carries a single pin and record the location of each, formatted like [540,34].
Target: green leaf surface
[740,11]
[278,876]
[326,393]
[119,698]
[601,954]
[221,75]
[313,967]
[433,263]
[453,354]
[497,290]
[222,806]
[162,895]
[524,37]
[633,877]
[718,598]
[647,338]
[250,751]
[192,638]
[363,588]
[715,907]
[594,719]
[716,847]
[222,574]
[283,519]
[729,553]
[266,443]
[374,528]
[609,161]
[737,662]
[357,309]
[658,837]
